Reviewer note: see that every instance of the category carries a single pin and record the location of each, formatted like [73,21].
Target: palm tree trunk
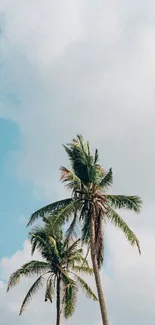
[97,275]
[58,301]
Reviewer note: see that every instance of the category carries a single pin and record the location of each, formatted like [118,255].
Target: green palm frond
[84,163]
[49,293]
[69,177]
[80,159]
[50,208]
[85,287]
[83,269]
[125,202]
[73,228]
[70,297]
[85,258]
[65,213]
[55,251]
[37,236]
[28,269]
[77,259]
[44,243]
[34,288]
[72,248]
[115,218]
[107,180]
[96,158]
[86,228]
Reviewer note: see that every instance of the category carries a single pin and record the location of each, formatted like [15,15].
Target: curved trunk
[58,302]
[97,275]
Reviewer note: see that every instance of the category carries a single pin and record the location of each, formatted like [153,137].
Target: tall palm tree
[62,262]
[91,205]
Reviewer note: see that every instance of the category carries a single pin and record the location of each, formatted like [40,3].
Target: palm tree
[62,261]
[91,205]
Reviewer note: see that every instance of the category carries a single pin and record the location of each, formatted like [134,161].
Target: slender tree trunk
[58,302]
[97,275]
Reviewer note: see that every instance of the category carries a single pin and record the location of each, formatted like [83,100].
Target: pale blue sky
[17,197]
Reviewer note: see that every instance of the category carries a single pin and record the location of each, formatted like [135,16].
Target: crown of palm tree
[61,260]
[89,183]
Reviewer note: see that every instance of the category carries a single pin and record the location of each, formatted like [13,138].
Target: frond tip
[133,203]
[36,285]
[116,219]
[48,209]
[85,287]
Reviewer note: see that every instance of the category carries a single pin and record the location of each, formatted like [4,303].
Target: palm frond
[37,236]
[77,259]
[70,297]
[85,258]
[72,229]
[54,246]
[115,218]
[50,208]
[107,180]
[72,249]
[28,269]
[49,293]
[42,241]
[86,229]
[64,214]
[85,287]
[72,181]
[80,160]
[124,202]
[96,158]
[34,288]
[83,269]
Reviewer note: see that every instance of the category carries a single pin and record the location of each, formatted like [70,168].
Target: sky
[66,68]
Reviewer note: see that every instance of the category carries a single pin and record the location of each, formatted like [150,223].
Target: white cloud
[131,289]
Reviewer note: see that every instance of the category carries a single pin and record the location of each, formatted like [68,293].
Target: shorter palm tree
[62,262]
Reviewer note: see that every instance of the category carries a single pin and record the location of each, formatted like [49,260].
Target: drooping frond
[83,269]
[28,269]
[107,180]
[73,227]
[85,262]
[115,218]
[49,293]
[36,285]
[50,208]
[85,287]
[86,228]
[43,242]
[70,179]
[125,202]
[38,238]
[72,248]
[54,247]
[77,259]
[70,296]
[65,213]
